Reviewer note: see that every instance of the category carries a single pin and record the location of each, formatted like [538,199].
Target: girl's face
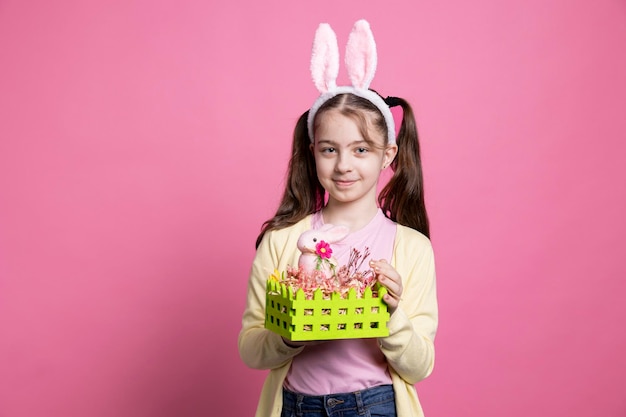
[348,167]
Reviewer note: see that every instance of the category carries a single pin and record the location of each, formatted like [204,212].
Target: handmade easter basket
[299,319]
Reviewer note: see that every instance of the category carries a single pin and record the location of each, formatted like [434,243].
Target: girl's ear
[389,155]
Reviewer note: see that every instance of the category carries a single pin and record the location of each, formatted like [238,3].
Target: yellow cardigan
[409,348]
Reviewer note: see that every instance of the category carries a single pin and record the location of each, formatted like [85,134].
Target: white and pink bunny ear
[361,60]
[325,59]
[361,56]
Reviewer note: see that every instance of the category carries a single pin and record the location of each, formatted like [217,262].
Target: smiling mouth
[344,183]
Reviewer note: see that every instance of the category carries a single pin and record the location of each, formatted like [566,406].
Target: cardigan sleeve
[409,348]
[260,348]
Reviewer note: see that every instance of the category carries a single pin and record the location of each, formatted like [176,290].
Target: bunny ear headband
[361,62]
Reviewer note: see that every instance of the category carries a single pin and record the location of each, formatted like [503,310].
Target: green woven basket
[299,319]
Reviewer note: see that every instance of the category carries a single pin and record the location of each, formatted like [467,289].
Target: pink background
[143,143]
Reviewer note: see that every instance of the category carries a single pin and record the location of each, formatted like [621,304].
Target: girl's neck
[354,216]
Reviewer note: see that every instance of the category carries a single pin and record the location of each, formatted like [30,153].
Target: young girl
[340,147]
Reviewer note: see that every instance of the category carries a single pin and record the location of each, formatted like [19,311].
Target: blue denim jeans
[372,402]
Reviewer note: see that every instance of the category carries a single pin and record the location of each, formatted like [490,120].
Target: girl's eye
[361,150]
[328,150]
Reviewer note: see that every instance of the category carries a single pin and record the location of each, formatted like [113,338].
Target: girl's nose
[344,163]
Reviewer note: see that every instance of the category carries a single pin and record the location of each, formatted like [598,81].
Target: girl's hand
[390,279]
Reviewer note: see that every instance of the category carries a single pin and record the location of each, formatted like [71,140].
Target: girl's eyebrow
[333,143]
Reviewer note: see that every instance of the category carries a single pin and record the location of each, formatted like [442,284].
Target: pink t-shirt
[353,364]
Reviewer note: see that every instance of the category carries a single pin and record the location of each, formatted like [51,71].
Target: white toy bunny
[315,247]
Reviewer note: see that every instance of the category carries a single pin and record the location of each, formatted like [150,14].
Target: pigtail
[303,193]
[402,199]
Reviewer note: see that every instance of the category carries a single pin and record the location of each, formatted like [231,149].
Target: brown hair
[402,199]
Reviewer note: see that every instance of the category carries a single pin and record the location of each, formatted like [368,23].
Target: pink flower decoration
[323,250]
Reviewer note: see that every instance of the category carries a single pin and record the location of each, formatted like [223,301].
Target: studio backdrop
[143,144]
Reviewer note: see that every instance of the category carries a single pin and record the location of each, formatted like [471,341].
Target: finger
[394,285]
[392,303]
[388,276]
[390,299]
[394,293]
[383,267]
[374,263]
